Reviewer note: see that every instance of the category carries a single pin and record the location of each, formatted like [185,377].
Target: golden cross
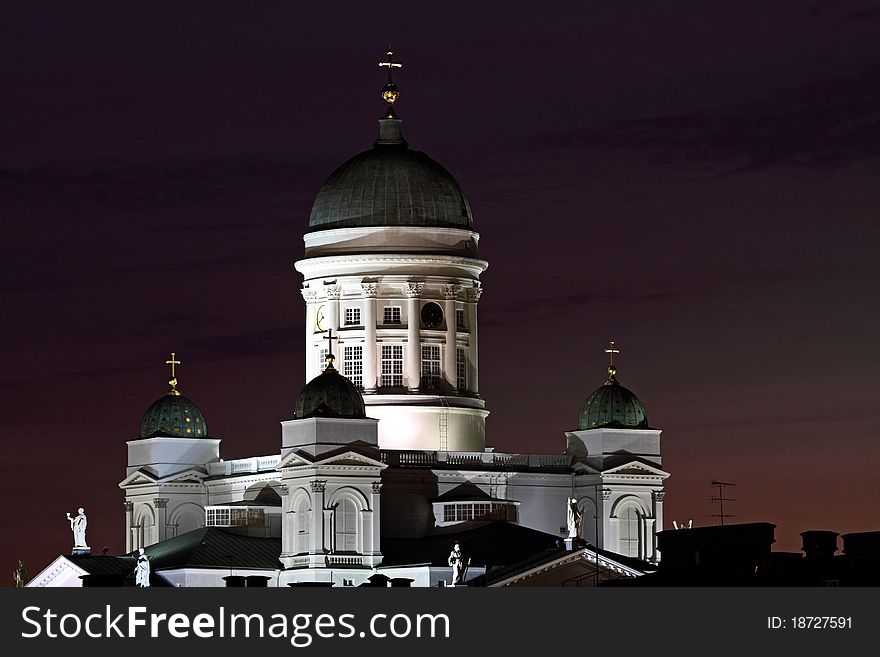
[390,63]
[330,357]
[611,351]
[172,362]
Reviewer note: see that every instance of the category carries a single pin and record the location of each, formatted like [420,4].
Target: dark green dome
[173,415]
[390,185]
[330,395]
[613,406]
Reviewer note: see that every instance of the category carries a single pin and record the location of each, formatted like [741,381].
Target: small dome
[330,395]
[173,415]
[390,185]
[613,406]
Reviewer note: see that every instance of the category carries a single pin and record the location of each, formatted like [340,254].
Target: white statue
[142,570]
[20,574]
[574,518]
[78,527]
[456,560]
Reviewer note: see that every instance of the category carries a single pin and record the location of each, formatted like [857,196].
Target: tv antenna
[720,499]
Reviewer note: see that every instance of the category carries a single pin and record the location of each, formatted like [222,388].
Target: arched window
[301,525]
[629,525]
[346,525]
[142,530]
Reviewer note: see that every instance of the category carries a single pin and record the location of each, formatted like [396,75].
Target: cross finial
[173,380]
[612,370]
[390,64]
[330,357]
[390,93]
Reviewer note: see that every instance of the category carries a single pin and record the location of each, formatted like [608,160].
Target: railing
[337,560]
[249,465]
[487,460]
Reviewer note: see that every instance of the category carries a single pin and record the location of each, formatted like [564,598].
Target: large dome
[173,415]
[330,395]
[614,407]
[390,185]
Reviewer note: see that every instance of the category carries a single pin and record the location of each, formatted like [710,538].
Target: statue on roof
[78,527]
[142,570]
[459,565]
[574,518]
[20,574]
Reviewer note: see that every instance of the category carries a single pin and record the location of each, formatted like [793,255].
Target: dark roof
[491,544]
[390,185]
[468,492]
[613,406]
[330,395]
[95,565]
[211,547]
[173,415]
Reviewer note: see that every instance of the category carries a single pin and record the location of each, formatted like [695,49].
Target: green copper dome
[173,415]
[390,185]
[613,406]
[330,395]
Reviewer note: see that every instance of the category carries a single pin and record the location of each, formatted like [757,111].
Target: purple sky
[698,182]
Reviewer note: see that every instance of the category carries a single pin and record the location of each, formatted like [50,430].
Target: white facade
[402,302]
[419,372]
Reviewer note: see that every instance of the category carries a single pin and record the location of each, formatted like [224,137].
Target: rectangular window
[353,365]
[217,517]
[430,367]
[352,316]
[392,315]
[392,365]
[322,359]
[449,513]
[481,511]
[459,319]
[461,369]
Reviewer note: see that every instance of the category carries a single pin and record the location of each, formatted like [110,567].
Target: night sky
[695,180]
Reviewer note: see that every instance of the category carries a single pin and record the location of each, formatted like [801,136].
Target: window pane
[392,366]
[353,365]
[430,367]
[352,316]
[461,369]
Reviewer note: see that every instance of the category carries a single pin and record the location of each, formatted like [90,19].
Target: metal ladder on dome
[444,423]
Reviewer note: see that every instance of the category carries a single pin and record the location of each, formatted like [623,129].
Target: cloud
[822,126]
[109,187]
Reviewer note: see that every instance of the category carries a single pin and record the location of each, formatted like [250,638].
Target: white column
[472,296]
[333,294]
[657,499]
[375,545]
[316,534]
[310,297]
[450,293]
[161,505]
[129,524]
[413,336]
[603,508]
[371,368]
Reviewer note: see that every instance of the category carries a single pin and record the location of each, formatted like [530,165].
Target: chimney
[819,545]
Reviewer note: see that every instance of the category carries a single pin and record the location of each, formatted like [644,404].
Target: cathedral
[383,469]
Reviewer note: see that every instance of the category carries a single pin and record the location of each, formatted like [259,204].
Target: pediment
[187,476]
[638,468]
[294,459]
[350,458]
[138,478]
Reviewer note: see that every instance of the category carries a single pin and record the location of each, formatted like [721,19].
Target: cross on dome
[390,92]
[330,357]
[612,370]
[173,380]
[390,64]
